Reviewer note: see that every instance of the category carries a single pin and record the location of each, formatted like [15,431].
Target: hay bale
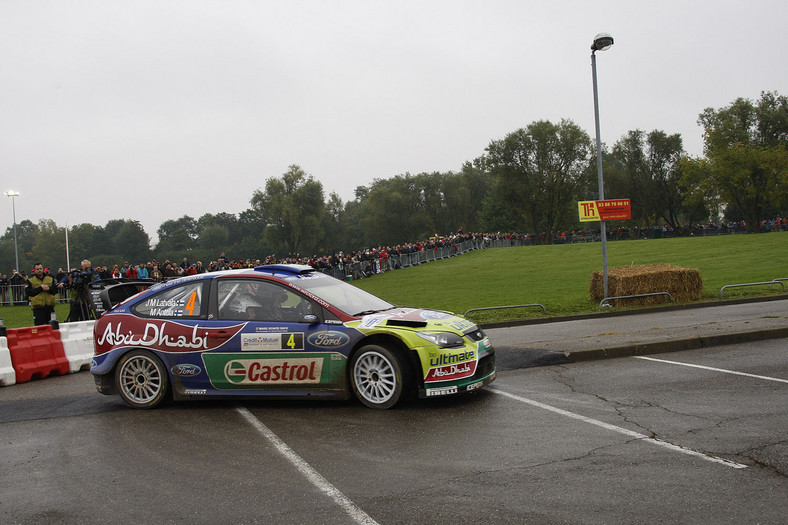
[684,284]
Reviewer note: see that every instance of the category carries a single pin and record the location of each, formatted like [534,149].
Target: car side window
[184,301]
[258,300]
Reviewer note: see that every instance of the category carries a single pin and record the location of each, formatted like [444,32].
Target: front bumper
[485,374]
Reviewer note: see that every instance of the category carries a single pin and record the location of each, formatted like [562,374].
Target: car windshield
[351,300]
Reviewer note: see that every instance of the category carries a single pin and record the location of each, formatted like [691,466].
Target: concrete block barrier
[36,352]
[77,339]
[7,373]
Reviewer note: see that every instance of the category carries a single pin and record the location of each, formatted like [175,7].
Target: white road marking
[767,378]
[620,430]
[350,508]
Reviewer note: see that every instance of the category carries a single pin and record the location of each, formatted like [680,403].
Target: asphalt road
[627,440]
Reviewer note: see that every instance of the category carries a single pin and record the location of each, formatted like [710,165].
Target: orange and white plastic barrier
[40,351]
[36,352]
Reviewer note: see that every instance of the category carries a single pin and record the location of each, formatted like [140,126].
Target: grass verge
[556,276]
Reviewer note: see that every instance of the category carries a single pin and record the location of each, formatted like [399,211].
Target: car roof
[280,271]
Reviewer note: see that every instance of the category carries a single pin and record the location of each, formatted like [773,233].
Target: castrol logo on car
[285,371]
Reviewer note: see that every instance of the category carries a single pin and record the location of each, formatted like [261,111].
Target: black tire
[378,376]
[141,380]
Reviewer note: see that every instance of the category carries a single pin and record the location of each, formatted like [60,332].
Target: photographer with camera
[77,281]
[40,289]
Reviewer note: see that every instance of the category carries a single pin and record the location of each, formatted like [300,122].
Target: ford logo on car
[186,370]
[329,339]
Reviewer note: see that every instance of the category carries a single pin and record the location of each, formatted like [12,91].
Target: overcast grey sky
[151,110]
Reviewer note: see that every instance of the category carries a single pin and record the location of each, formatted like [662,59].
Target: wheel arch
[411,358]
[169,390]
[119,357]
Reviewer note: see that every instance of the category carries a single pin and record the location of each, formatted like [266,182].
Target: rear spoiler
[106,294]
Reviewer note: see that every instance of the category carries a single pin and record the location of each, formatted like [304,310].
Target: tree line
[527,182]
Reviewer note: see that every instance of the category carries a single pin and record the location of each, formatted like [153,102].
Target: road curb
[659,347]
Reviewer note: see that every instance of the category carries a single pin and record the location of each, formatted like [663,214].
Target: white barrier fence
[77,339]
[7,372]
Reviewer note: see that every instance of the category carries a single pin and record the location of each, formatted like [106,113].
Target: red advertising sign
[606,210]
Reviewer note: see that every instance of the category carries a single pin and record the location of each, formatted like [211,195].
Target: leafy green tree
[177,238]
[352,235]
[665,154]
[26,232]
[133,243]
[496,214]
[632,160]
[50,245]
[293,207]
[746,164]
[226,220]
[464,193]
[395,211]
[649,166]
[250,231]
[334,225]
[429,191]
[7,259]
[214,238]
[81,243]
[103,243]
[539,170]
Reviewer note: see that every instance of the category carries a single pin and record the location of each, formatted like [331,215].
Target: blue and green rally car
[284,331]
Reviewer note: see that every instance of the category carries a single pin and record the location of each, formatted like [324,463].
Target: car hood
[416,319]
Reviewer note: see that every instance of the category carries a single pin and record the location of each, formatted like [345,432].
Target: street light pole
[602,42]
[14,194]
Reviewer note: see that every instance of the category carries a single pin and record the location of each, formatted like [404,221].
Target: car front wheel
[378,376]
[141,380]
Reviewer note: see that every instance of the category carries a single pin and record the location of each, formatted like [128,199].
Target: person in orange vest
[41,291]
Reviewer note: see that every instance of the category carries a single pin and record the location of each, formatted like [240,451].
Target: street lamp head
[11,193]
[602,42]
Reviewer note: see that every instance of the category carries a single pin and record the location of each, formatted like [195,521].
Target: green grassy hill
[558,276]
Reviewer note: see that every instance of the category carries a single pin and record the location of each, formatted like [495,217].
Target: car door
[174,324]
[284,344]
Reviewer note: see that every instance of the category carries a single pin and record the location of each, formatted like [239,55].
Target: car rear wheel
[141,379]
[378,376]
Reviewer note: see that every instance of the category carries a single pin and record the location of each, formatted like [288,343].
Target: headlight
[442,339]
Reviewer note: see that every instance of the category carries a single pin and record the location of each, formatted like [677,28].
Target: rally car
[283,331]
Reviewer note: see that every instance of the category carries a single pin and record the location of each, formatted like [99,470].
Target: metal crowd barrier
[770,283]
[484,309]
[365,268]
[606,300]
[14,294]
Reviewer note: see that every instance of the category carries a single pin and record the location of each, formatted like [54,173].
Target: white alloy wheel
[377,376]
[141,379]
